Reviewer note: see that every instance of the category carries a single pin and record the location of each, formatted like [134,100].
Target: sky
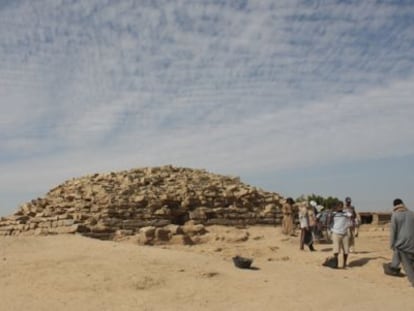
[296,97]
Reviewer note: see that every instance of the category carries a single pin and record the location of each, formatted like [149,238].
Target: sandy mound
[70,272]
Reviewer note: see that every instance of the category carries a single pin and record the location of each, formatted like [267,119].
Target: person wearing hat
[401,241]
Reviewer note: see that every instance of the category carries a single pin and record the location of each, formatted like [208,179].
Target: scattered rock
[209,274]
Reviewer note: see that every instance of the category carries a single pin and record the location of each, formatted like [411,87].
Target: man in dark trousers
[402,241]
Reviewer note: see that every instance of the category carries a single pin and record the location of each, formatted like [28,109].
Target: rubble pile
[155,202]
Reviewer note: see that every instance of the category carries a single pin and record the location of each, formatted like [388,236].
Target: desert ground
[71,272]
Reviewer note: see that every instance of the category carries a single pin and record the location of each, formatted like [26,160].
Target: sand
[70,272]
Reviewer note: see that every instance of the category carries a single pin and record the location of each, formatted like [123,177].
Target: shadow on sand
[363,261]
[253,268]
[329,249]
[361,252]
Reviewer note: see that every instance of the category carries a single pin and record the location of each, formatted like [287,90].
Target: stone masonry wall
[109,204]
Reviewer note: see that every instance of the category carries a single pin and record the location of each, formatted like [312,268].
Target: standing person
[324,216]
[305,230]
[353,223]
[312,212]
[288,210]
[401,241]
[340,234]
[357,224]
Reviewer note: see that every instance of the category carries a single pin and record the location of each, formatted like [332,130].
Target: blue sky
[296,97]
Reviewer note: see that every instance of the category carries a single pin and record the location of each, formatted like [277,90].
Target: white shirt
[341,221]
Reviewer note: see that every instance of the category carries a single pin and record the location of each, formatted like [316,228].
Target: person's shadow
[363,261]
[327,249]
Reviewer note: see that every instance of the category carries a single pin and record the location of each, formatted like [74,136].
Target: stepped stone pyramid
[105,205]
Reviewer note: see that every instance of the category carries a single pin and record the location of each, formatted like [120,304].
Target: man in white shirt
[341,220]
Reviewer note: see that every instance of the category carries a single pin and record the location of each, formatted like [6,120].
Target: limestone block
[79,216]
[225,222]
[120,233]
[231,188]
[186,202]
[192,229]
[67,229]
[41,231]
[44,224]
[148,231]
[174,229]
[22,219]
[160,222]
[269,208]
[181,240]
[241,193]
[67,222]
[154,204]
[20,227]
[99,228]
[162,234]
[146,235]
[6,228]
[163,211]
[95,208]
[37,219]
[25,208]
[64,216]
[198,213]
[237,237]
[139,199]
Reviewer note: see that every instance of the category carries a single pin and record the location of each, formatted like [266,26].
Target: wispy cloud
[232,86]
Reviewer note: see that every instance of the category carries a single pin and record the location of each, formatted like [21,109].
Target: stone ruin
[156,204]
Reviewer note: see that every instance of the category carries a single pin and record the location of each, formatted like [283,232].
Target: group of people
[319,223]
[340,226]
